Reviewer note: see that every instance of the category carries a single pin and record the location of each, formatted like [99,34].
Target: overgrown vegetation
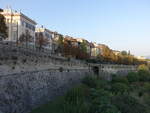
[130,94]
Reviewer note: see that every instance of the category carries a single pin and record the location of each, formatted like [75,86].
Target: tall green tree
[60,43]
[3,27]
[83,46]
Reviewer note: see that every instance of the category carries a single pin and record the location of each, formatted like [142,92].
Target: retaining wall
[19,93]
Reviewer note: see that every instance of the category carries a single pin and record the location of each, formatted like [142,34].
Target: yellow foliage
[143,67]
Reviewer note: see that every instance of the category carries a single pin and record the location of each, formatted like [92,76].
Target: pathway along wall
[19,93]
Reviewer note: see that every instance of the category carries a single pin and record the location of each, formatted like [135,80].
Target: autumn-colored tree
[74,51]
[41,40]
[3,27]
[108,54]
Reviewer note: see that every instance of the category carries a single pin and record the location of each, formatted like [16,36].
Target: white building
[18,24]
[141,57]
[47,34]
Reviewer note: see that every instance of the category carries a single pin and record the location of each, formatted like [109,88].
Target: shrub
[146,87]
[119,88]
[90,81]
[144,75]
[143,67]
[132,77]
[128,104]
[120,79]
[107,108]
[147,99]
[101,102]
[103,84]
[74,100]
[77,93]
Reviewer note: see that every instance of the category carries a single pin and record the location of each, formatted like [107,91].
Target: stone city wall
[19,93]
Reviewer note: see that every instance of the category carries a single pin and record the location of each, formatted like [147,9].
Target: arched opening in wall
[95,70]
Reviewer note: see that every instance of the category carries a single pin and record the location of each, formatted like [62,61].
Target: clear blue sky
[120,24]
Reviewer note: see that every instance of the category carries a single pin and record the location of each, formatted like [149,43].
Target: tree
[119,88]
[41,40]
[124,53]
[22,38]
[128,104]
[60,44]
[3,27]
[132,77]
[25,38]
[143,67]
[83,46]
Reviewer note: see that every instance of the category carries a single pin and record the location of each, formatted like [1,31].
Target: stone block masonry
[19,93]
[30,78]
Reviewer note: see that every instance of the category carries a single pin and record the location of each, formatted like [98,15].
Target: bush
[144,75]
[147,99]
[132,77]
[101,102]
[119,88]
[128,104]
[76,94]
[146,87]
[90,81]
[74,100]
[143,67]
[103,84]
[120,79]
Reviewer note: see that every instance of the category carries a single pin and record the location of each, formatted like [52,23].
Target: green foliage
[128,104]
[96,95]
[3,27]
[83,46]
[119,88]
[144,75]
[146,87]
[101,102]
[90,81]
[60,40]
[147,100]
[103,84]
[60,44]
[133,77]
[120,79]
[74,101]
